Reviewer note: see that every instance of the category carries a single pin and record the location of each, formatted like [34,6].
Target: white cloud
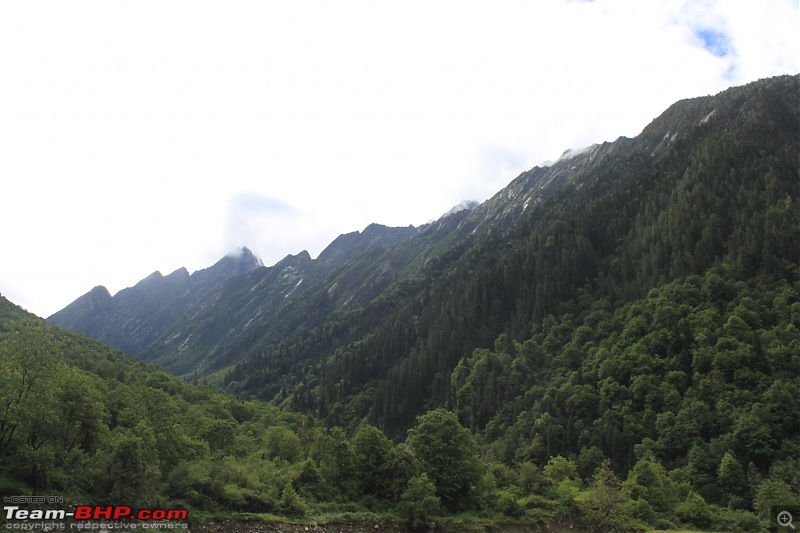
[268,225]
[128,128]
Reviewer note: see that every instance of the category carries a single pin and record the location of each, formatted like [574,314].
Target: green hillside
[712,184]
[610,344]
[678,408]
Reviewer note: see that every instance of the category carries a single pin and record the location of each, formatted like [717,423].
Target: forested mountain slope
[190,332]
[613,340]
[702,375]
[680,408]
[374,326]
[709,185]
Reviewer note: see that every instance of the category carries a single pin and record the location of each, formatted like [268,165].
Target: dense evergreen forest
[711,184]
[624,356]
[679,408]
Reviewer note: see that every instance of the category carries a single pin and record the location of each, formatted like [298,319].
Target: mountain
[199,324]
[348,245]
[611,339]
[136,316]
[710,184]
[376,324]
[547,416]
[198,319]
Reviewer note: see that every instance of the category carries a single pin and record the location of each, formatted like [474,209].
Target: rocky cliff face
[136,316]
[199,322]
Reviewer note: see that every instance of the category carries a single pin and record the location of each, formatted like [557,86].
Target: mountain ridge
[368,322]
[136,315]
[612,340]
[614,221]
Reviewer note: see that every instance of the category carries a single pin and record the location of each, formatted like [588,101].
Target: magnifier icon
[785,518]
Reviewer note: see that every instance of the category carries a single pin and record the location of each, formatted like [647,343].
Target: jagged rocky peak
[180,273]
[153,277]
[235,263]
[95,298]
[99,293]
[348,245]
[293,262]
[384,236]
[299,258]
[135,316]
[245,255]
[73,316]
[373,229]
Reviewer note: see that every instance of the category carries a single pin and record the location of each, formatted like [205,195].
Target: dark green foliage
[607,505]
[686,196]
[695,511]
[291,503]
[377,471]
[650,384]
[127,471]
[193,446]
[772,493]
[447,453]
[624,351]
[655,494]
[419,502]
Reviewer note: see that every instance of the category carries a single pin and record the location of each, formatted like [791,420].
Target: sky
[143,135]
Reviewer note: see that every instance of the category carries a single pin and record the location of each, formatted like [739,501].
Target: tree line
[680,408]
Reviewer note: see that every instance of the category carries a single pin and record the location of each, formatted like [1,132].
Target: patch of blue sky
[715,41]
